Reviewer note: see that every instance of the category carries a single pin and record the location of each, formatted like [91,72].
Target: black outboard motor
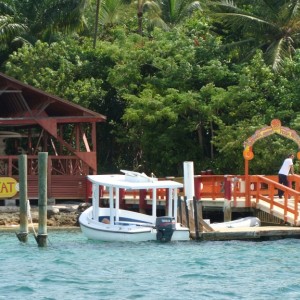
[165,227]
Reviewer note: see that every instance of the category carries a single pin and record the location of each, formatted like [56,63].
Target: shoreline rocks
[66,215]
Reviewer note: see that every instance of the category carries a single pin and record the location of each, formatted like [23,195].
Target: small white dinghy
[243,222]
[115,224]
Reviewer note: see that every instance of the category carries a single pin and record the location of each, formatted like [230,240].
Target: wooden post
[191,215]
[42,168]
[179,210]
[186,212]
[200,215]
[196,218]
[227,210]
[23,234]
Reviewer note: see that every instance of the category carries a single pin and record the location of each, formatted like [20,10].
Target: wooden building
[33,121]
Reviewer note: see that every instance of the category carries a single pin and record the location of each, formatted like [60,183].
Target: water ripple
[72,267]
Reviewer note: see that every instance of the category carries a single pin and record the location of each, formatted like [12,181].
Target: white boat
[115,224]
[243,222]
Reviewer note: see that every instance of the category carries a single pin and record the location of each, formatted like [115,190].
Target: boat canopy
[132,181]
[135,182]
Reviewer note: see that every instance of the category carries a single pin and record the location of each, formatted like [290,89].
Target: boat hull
[125,230]
[243,222]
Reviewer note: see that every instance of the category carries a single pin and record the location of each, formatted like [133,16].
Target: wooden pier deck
[250,233]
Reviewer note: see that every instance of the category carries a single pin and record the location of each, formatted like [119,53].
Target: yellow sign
[8,187]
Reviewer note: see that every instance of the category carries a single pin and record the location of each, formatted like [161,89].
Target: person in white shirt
[286,168]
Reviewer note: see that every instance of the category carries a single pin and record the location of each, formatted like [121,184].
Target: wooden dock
[272,227]
[249,233]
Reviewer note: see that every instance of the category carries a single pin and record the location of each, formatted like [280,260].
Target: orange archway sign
[266,131]
[262,133]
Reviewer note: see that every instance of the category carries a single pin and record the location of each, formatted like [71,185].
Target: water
[72,267]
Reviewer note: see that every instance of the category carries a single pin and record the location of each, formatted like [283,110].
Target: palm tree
[107,14]
[110,12]
[10,27]
[152,6]
[270,25]
[98,5]
[62,15]
[165,13]
[175,11]
[39,19]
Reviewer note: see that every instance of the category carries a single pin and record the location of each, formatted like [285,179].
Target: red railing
[66,175]
[267,193]
[253,191]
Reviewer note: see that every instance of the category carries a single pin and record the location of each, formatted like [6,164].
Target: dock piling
[42,202]
[22,235]
[195,202]
[227,210]
[186,212]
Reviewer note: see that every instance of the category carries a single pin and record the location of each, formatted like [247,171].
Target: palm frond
[224,6]
[64,15]
[274,24]
[109,11]
[6,8]
[9,28]
[277,51]
[294,9]
[159,23]
[244,21]
[175,11]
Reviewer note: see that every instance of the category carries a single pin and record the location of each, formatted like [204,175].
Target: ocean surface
[72,267]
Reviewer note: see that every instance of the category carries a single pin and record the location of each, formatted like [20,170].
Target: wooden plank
[256,233]
[206,226]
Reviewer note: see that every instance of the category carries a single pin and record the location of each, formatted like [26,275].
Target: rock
[52,211]
[55,216]
[83,206]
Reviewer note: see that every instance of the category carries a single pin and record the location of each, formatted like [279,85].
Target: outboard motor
[165,227]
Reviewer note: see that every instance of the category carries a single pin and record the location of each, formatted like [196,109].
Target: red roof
[22,104]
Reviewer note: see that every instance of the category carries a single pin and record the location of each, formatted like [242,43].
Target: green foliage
[174,97]
[260,96]
[166,128]
[27,21]
[271,26]
[164,114]
[56,68]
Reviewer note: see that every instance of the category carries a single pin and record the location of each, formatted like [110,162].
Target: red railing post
[122,198]
[197,184]
[296,209]
[227,187]
[142,201]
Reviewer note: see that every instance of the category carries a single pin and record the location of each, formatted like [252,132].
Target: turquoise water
[72,267]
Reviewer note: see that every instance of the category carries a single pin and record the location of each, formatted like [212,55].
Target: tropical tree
[166,120]
[272,26]
[28,21]
[9,27]
[175,11]
[98,5]
[107,14]
[150,5]
[166,14]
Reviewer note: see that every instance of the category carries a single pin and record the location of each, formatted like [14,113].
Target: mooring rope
[30,217]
